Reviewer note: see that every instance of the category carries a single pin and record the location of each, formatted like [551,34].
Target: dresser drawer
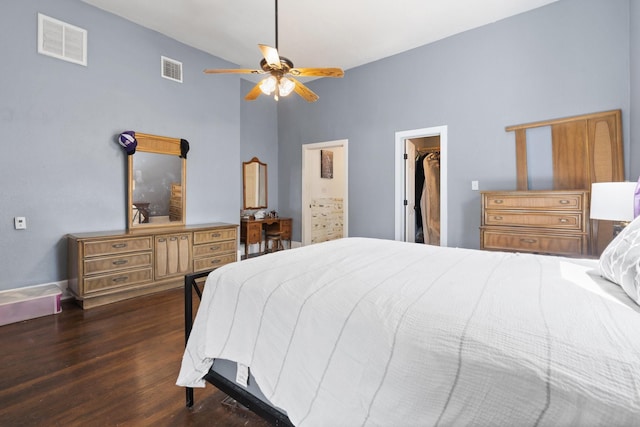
[109,247]
[214,248]
[542,201]
[207,263]
[109,264]
[531,242]
[555,220]
[211,236]
[117,280]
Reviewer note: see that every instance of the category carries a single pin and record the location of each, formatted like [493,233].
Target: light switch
[474,185]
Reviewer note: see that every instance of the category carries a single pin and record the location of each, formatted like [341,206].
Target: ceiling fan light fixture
[268,85]
[286,86]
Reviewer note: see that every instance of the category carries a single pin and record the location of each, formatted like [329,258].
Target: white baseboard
[62,284]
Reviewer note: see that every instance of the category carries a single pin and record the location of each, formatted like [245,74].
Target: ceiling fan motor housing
[286,64]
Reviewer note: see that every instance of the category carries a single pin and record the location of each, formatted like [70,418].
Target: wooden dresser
[105,267]
[548,222]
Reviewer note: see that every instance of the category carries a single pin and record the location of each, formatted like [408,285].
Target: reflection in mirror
[254,181]
[156,179]
[156,183]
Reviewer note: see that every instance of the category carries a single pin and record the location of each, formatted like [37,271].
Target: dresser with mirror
[157,249]
[255,225]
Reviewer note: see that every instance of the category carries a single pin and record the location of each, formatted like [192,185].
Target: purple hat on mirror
[128,140]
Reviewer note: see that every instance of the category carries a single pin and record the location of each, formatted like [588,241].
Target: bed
[362,331]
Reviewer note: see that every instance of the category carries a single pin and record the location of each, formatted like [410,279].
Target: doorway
[409,146]
[324,191]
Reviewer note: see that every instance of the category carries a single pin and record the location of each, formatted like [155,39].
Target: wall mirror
[157,183]
[254,184]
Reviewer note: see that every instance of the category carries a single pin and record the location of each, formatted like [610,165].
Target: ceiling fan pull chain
[276,24]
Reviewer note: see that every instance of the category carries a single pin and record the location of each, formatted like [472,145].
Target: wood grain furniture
[105,267]
[251,231]
[157,162]
[584,149]
[547,222]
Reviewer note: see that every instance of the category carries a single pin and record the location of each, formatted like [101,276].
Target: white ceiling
[327,33]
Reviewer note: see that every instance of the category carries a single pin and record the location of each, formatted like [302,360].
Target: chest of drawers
[106,267]
[548,222]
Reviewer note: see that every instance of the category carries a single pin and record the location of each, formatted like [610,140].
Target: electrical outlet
[474,185]
[20,222]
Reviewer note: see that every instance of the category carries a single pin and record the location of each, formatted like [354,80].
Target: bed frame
[241,395]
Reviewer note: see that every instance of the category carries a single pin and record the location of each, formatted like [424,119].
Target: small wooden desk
[251,230]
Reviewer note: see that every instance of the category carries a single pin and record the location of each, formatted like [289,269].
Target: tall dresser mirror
[254,183]
[157,183]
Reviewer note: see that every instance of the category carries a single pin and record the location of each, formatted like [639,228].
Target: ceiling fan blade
[253,93]
[304,91]
[270,55]
[317,72]
[233,71]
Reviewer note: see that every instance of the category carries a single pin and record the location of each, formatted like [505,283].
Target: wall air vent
[171,69]
[62,40]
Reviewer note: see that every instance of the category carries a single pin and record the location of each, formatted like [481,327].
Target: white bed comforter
[382,333]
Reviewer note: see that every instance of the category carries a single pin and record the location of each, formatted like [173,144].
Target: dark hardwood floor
[109,366]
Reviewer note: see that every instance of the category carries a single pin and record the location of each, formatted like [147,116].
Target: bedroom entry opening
[421,186]
[324,191]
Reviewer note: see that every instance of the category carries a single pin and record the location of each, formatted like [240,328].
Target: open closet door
[409,191]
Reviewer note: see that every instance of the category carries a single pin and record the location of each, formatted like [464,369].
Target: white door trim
[306,211]
[401,136]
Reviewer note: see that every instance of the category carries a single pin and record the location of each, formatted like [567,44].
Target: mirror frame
[159,145]
[245,165]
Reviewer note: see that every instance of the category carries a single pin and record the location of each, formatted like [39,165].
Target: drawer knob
[173,239]
[215,261]
[121,279]
[497,218]
[564,202]
[120,262]
[564,220]
[214,248]
[215,234]
[497,201]
[119,245]
[528,240]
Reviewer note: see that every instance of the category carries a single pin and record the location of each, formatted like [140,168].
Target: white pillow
[620,261]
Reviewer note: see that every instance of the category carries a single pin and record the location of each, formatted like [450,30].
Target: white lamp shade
[612,201]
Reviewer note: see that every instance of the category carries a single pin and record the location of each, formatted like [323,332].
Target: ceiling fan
[281,80]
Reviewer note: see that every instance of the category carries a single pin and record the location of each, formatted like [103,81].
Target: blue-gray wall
[568,58]
[60,166]
[259,138]
[634,115]
[62,170]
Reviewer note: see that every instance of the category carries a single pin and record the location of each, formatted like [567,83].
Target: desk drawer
[117,280]
[285,229]
[556,220]
[207,263]
[109,264]
[117,246]
[532,242]
[214,248]
[210,236]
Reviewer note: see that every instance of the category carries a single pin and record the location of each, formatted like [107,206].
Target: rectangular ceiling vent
[171,69]
[61,40]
